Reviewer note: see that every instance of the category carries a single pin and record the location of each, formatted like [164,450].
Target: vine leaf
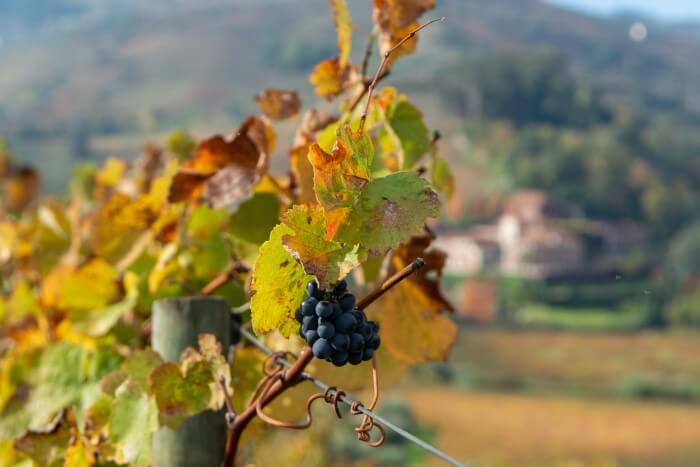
[85,288]
[312,123]
[340,176]
[134,418]
[377,214]
[328,260]
[224,171]
[415,325]
[330,78]
[277,285]
[395,19]
[343,26]
[389,210]
[404,134]
[184,389]
[48,446]
[279,104]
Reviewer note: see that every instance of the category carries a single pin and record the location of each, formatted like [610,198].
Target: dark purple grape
[321,349]
[374,326]
[326,330]
[312,288]
[340,342]
[340,288]
[367,354]
[310,322]
[357,342]
[337,311]
[346,323]
[355,358]
[365,329]
[373,342]
[299,316]
[340,358]
[311,335]
[347,302]
[324,309]
[359,316]
[308,306]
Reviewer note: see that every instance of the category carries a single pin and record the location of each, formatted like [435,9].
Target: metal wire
[342,397]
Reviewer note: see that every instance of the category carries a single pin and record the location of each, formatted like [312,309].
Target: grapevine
[290,253]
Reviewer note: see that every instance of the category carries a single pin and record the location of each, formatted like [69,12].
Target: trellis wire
[349,401]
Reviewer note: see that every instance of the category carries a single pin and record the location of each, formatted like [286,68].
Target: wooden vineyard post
[177,322]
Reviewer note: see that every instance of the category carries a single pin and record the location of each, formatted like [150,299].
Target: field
[545,398]
[524,430]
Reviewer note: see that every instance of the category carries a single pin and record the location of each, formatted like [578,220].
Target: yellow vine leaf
[278,285]
[343,26]
[330,78]
[279,104]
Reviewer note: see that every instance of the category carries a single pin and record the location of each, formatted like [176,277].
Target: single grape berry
[312,288]
[365,330]
[346,323]
[340,342]
[299,316]
[310,322]
[359,316]
[340,288]
[347,302]
[373,342]
[326,330]
[311,335]
[374,326]
[357,342]
[340,358]
[321,349]
[367,354]
[308,306]
[355,358]
[324,309]
[337,311]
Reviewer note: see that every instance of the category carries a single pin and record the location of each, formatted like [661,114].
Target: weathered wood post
[201,440]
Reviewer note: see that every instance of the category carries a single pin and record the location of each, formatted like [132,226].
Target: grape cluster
[335,330]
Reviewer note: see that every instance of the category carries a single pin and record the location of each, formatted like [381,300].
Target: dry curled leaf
[21,188]
[279,104]
[223,171]
[395,19]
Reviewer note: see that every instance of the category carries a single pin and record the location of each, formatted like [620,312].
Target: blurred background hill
[574,230]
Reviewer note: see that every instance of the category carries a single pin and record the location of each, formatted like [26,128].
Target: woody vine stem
[293,376]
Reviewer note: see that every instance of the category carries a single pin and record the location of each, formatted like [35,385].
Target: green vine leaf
[328,260]
[404,134]
[134,419]
[277,285]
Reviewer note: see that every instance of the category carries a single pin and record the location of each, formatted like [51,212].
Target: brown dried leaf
[395,20]
[21,188]
[330,78]
[279,104]
[244,158]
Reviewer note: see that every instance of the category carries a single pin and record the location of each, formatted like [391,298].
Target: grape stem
[293,375]
[391,282]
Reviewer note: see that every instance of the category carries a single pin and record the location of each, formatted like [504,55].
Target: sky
[675,10]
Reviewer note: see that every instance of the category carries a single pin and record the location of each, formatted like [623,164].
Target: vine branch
[385,60]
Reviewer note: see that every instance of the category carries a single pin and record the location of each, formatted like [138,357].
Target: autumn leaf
[134,419]
[186,388]
[395,19]
[329,261]
[340,176]
[279,104]
[343,26]
[48,446]
[21,188]
[89,286]
[415,325]
[312,123]
[388,212]
[223,172]
[330,78]
[277,285]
